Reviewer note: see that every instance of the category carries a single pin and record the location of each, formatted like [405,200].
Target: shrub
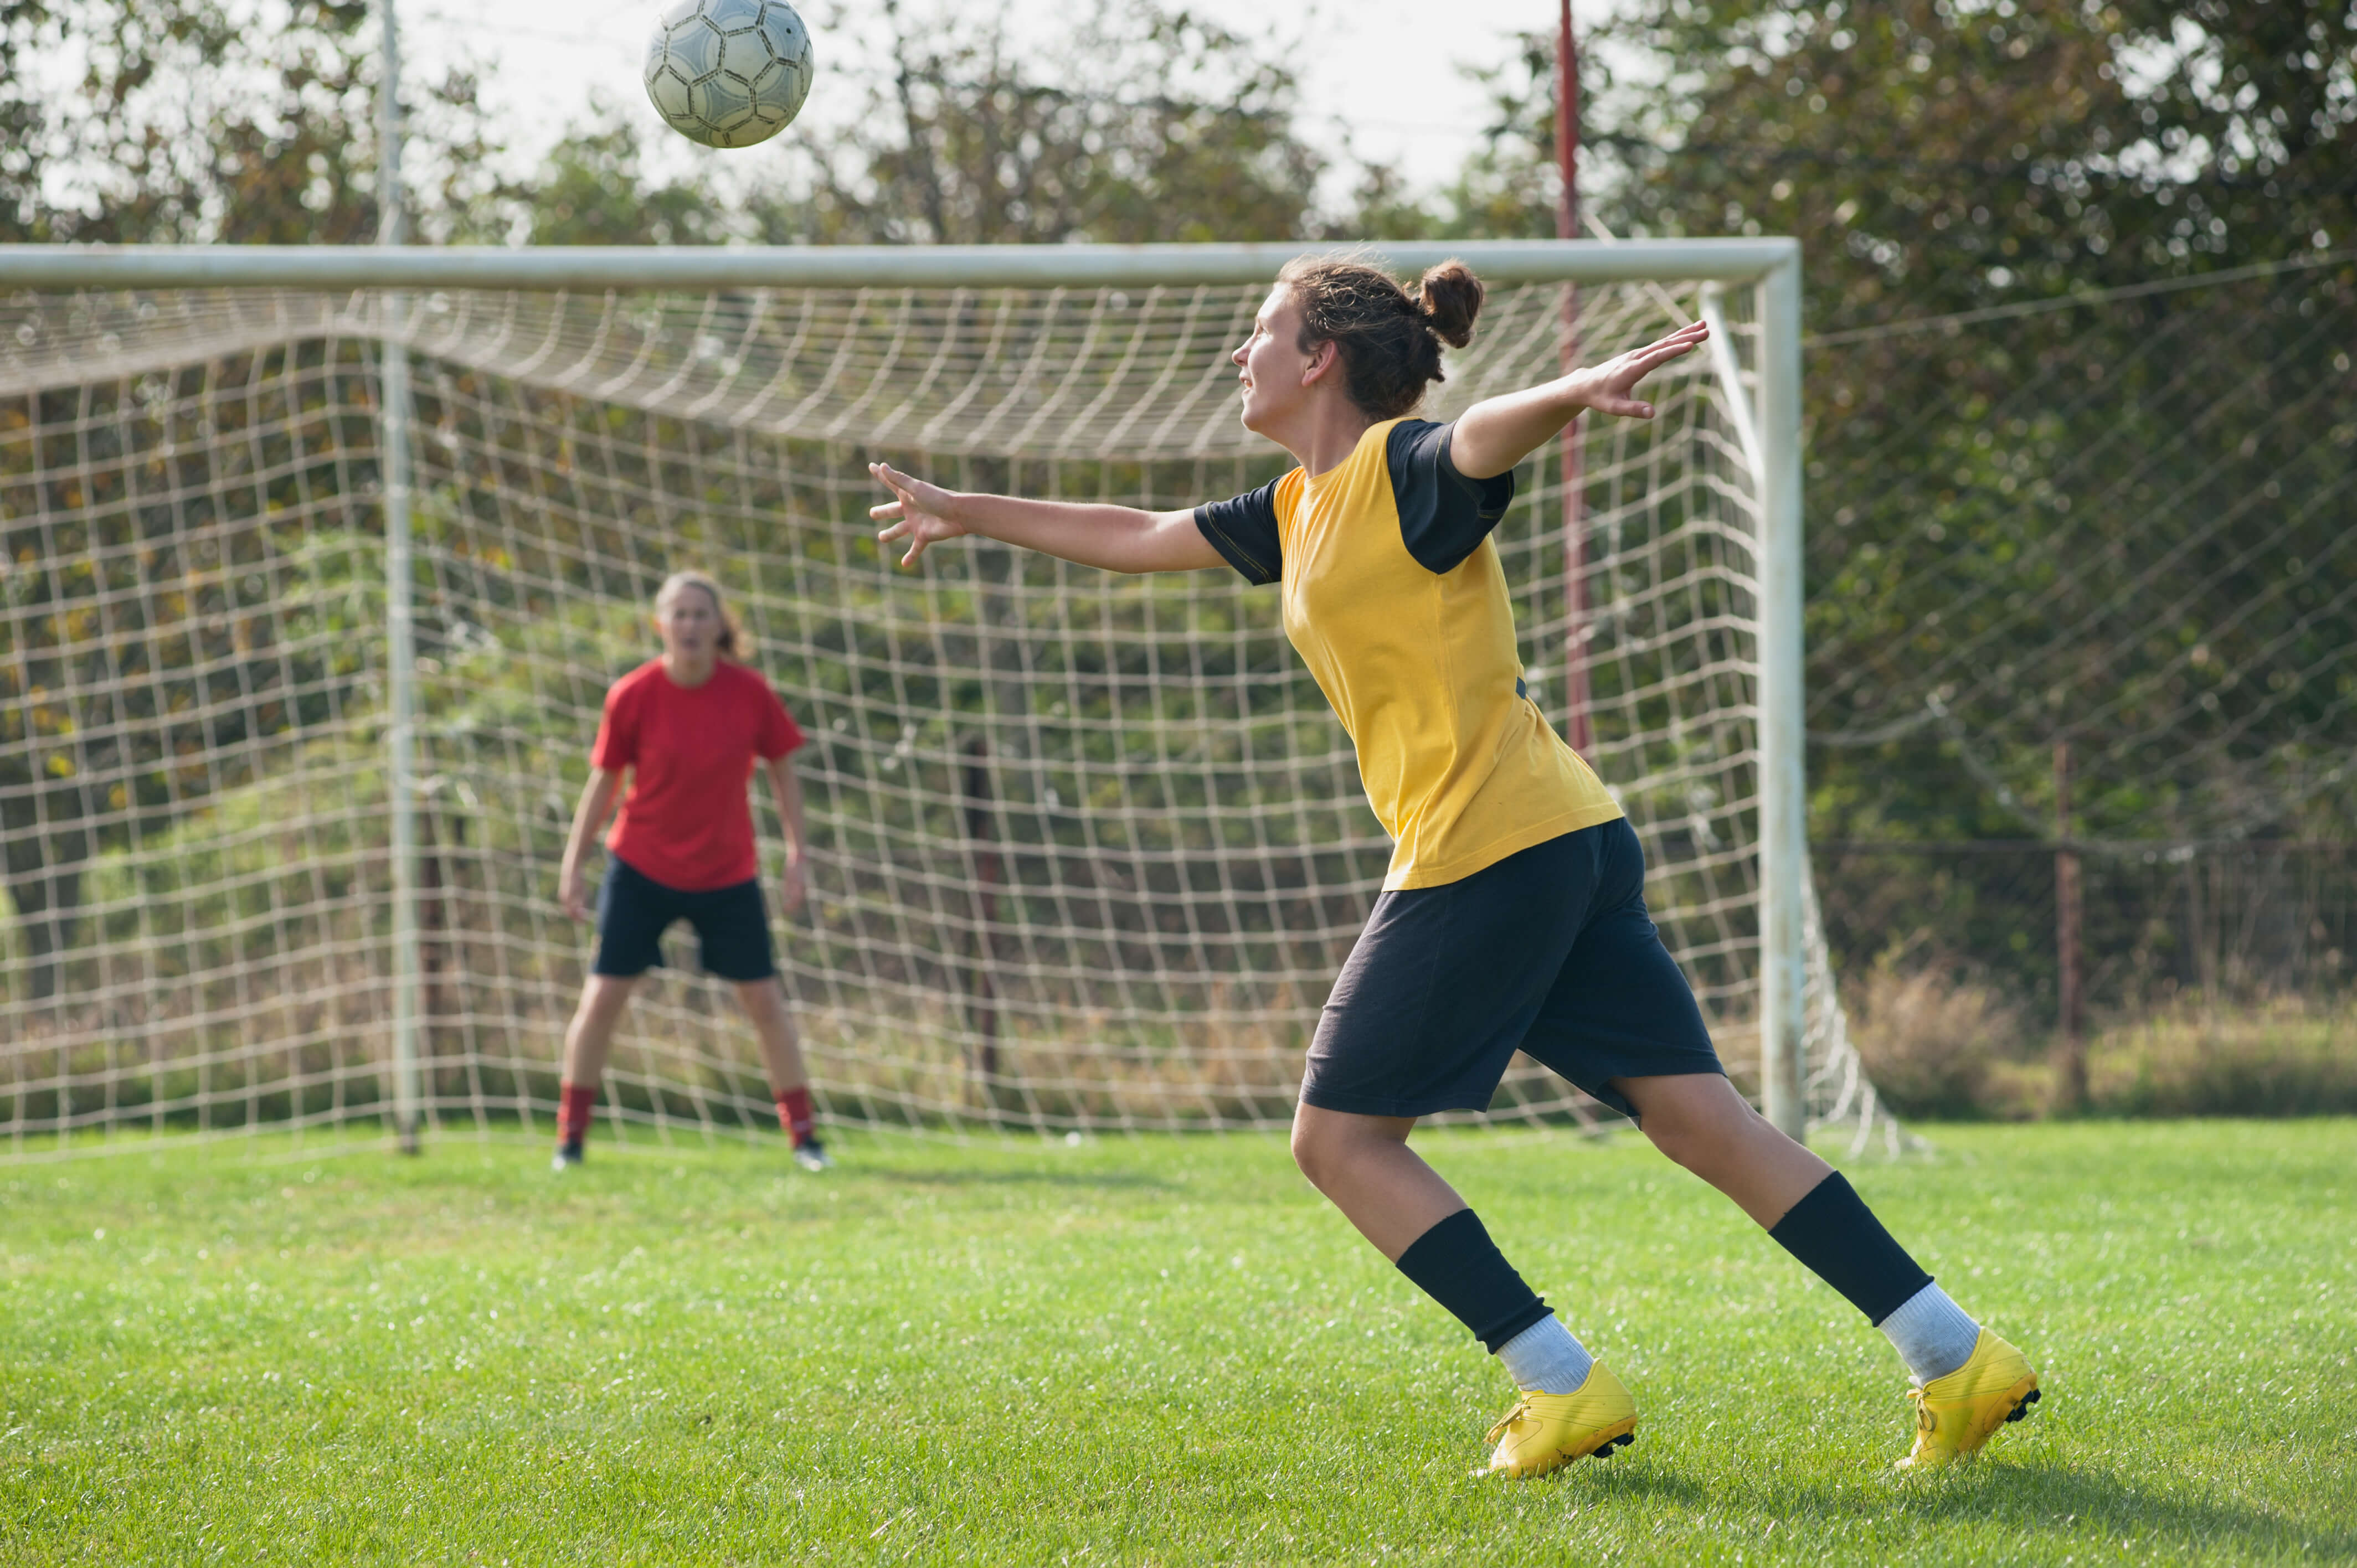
[1934,1039]
[2283,1056]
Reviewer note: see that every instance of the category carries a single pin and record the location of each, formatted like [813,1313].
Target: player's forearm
[1497,432]
[1115,538]
[786,791]
[595,804]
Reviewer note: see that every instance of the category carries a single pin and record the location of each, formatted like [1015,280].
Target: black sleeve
[1444,515]
[1243,530]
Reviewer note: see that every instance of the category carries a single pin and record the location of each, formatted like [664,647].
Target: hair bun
[1451,297]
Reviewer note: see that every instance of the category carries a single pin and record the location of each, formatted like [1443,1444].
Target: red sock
[573,1120]
[794,1113]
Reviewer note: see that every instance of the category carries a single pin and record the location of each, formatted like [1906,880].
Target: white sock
[1932,1334]
[1545,1359]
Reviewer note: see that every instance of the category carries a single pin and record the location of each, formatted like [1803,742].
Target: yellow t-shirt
[1395,597]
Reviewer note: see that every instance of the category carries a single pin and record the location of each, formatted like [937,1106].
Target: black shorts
[732,927]
[1550,951]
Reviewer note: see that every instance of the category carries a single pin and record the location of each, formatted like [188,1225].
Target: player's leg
[1968,1382]
[1364,1167]
[1571,1406]
[764,1002]
[633,910]
[589,1042]
[1700,1122]
[1440,988]
[1621,1022]
[732,925]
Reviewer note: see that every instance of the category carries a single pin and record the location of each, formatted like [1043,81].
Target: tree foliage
[1149,124]
[2110,524]
[181,121]
[1939,156]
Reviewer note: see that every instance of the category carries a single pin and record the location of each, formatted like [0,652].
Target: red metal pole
[1575,521]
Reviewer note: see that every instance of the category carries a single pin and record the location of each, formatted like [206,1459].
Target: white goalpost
[320,562]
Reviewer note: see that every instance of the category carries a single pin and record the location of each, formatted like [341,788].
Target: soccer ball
[729,72]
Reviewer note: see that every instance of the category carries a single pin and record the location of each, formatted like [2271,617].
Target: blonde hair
[733,643]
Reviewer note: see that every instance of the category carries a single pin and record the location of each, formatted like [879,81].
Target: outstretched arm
[1499,432]
[1117,538]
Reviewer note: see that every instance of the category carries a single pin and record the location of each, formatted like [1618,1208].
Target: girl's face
[1271,363]
[690,624]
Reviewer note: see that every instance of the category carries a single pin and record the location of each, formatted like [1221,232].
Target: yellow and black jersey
[1393,594]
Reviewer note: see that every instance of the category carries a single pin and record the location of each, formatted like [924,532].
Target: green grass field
[1154,1351]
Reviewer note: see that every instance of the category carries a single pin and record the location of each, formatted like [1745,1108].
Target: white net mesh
[1087,849]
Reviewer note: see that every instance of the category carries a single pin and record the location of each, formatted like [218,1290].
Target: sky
[1372,76]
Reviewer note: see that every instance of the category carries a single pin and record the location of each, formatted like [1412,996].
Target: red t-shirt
[686,822]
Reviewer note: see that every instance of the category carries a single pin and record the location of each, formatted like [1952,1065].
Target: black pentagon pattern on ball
[729,73]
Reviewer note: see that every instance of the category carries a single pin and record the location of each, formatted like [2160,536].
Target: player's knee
[603,998]
[1329,1147]
[1685,1137]
[1322,1149]
[761,998]
[1703,1131]
[1307,1149]
[1675,1139]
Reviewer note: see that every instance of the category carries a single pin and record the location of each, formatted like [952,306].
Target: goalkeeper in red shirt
[688,727]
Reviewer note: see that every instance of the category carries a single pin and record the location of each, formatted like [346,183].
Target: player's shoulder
[741,677]
[1410,440]
[634,683]
[1284,492]
[748,689]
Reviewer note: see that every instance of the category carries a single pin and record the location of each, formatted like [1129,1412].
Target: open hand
[1606,388]
[918,512]
[572,892]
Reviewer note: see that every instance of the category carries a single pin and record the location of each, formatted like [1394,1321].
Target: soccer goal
[319,563]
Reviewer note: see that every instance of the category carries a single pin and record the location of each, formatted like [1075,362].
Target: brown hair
[1389,338]
[733,642]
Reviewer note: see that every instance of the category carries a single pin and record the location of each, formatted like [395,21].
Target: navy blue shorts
[1548,951]
[732,927]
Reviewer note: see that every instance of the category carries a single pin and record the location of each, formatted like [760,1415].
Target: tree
[1151,124]
[592,191]
[186,123]
[183,124]
[1941,158]
[2107,525]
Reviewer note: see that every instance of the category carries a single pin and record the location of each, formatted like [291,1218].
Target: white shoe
[564,1160]
[812,1157]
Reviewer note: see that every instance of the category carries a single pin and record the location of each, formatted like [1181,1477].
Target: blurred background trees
[163,121]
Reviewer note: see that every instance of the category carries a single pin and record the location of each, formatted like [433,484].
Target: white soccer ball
[729,72]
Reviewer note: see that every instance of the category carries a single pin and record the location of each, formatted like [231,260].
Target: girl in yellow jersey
[1513,915]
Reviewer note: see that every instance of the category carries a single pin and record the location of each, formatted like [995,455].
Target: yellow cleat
[1545,1432]
[1956,1415]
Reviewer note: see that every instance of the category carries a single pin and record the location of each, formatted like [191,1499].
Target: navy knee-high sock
[1457,1265]
[1833,1232]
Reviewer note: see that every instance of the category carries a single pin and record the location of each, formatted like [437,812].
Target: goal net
[1087,849]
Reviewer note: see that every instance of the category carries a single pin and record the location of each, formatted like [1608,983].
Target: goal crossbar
[855,267]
